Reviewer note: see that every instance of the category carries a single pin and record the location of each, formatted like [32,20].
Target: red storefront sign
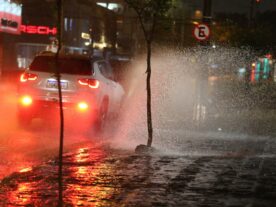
[10,17]
[42,30]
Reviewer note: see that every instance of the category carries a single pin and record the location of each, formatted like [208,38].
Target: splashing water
[178,79]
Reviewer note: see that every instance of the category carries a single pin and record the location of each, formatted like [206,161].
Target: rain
[213,134]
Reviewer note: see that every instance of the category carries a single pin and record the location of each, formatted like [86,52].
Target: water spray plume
[174,93]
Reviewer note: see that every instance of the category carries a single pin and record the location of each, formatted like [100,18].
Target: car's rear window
[66,65]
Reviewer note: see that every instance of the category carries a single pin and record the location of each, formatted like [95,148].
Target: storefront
[28,29]
[33,40]
[10,23]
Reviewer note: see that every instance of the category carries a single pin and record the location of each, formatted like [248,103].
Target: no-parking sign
[201,32]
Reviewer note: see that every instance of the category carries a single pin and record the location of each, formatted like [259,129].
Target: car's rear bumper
[46,109]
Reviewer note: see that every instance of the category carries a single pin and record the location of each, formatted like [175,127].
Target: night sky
[241,6]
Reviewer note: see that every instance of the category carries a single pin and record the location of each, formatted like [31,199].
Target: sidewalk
[108,177]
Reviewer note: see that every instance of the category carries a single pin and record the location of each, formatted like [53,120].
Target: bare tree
[148,12]
[57,74]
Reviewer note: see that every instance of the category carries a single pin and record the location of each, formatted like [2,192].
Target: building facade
[10,23]
[86,26]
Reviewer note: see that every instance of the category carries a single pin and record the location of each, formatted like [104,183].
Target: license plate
[54,84]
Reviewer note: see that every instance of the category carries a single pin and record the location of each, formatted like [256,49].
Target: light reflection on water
[83,187]
[23,195]
[27,169]
[86,182]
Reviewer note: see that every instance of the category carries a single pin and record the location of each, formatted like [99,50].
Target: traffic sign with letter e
[201,32]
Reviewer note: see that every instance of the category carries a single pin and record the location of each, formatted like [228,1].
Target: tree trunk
[149,117]
[60,34]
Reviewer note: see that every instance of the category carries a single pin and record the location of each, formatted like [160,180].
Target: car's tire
[100,121]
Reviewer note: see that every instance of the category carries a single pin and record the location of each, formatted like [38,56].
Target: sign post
[201,33]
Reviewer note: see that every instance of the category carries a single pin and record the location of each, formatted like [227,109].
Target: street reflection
[23,195]
[86,185]
[27,169]
[88,180]
[82,155]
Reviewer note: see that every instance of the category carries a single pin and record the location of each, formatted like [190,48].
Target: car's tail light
[26,100]
[28,77]
[92,83]
[82,106]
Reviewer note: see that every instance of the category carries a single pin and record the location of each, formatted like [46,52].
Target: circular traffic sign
[201,32]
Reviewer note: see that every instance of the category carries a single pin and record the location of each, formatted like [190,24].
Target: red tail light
[28,77]
[92,83]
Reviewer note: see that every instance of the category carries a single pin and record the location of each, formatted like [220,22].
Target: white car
[88,88]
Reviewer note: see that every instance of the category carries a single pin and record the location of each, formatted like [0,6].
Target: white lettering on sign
[201,32]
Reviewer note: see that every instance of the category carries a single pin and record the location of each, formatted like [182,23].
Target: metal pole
[251,13]
[207,16]
[254,5]
[202,83]
[207,9]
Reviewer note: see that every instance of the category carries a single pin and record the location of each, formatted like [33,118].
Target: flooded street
[242,175]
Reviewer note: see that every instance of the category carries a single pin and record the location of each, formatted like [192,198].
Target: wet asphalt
[104,176]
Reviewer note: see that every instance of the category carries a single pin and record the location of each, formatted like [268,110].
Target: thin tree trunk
[60,27]
[149,116]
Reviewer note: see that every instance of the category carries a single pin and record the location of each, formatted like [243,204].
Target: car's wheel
[101,118]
